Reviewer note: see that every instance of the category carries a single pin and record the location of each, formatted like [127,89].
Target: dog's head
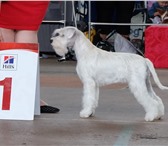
[62,39]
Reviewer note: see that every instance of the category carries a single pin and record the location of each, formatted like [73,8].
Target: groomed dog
[96,67]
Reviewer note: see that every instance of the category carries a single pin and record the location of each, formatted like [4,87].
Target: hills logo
[8,62]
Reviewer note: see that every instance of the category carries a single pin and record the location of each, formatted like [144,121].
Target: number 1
[7,82]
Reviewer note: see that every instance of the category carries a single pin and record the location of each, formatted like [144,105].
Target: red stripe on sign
[6,98]
[23,46]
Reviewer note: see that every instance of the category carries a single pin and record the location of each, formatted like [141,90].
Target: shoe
[48,109]
[62,59]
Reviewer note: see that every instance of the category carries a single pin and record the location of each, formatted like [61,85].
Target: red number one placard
[16,92]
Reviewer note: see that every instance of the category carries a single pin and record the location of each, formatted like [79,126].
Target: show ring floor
[119,119]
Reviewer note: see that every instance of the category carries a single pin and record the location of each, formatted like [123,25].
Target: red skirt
[22,15]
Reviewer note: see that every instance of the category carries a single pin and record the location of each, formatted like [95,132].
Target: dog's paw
[86,113]
[156,112]
[149,117]
[161,110]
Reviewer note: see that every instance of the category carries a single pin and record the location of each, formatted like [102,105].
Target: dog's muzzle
[51,40]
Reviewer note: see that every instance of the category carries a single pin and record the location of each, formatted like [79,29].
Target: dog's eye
[57,34]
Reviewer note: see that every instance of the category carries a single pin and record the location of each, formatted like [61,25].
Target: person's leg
[25,36]
[7,35]
[1,37]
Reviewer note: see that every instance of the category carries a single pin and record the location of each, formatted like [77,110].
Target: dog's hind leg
[154,96]
[139,89]
[90,99]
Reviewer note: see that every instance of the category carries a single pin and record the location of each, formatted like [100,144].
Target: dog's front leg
[90,99]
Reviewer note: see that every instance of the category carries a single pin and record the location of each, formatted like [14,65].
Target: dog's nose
[51,40]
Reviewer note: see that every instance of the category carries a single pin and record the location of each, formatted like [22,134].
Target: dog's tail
[155,77]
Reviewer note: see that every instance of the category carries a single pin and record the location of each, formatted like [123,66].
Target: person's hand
[156,14]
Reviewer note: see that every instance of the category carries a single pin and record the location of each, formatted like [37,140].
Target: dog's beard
[60,51]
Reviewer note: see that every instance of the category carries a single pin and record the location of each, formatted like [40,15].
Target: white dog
[96,67]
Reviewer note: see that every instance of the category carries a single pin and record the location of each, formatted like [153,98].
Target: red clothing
[22,15]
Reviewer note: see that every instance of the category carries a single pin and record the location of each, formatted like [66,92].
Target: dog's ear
[70,32]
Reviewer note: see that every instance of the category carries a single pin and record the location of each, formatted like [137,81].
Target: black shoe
[61,59]
[48,109]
